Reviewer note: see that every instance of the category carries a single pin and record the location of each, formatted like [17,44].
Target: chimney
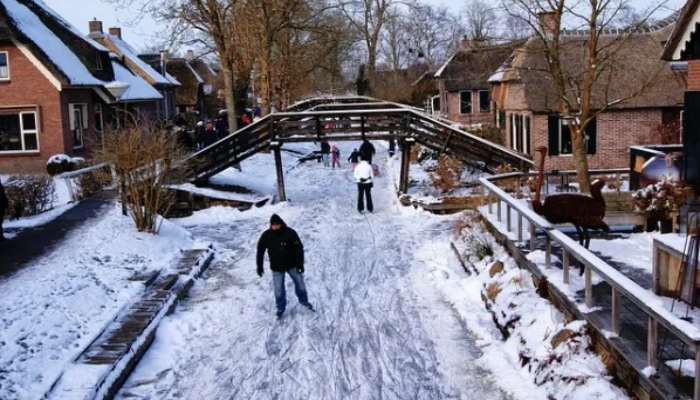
[95,26]
[472,43]
[467,43]
[114,31]
[190,55]
[547,21]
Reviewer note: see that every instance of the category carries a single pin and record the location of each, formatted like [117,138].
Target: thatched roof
[632,75]
[191,82]
[680,36]
[470,69]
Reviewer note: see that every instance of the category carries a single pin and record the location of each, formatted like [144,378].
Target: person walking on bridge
[363,176]
[286,254]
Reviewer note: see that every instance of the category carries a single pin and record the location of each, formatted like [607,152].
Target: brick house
[683,46]
[165,84]
[465,93]
[53,98]
[526,105]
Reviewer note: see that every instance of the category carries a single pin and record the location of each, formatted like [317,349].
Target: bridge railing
[494,197]
[352,125]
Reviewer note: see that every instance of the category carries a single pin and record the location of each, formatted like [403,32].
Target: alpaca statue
[584,212]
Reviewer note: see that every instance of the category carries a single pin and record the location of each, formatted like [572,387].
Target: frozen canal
[380,331]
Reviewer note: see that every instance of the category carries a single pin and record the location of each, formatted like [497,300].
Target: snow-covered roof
[439,72]
[196,75]
[68,25]
[29,24]
[139,89]
[129,52]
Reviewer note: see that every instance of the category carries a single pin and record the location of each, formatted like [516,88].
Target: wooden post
[508,217]
[548,252]
[483,195]
[405,164]
[490,206]
[532,236]
[651,342]
[362,126]
[565,264]
[615,313]
[318,128]
[520,227]
[655,273]
[280,173]
[589,287]
[498,209]
[618,182]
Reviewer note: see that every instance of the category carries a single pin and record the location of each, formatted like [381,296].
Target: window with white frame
[520,133]
[99,118]
[4,65]
[560,141]
[78,123]
[484,101]
[465,102]
[19,132]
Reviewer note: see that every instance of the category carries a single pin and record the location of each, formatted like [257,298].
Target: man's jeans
[280,293]
[324,156]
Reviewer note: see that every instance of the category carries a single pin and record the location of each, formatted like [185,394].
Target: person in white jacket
[363,175]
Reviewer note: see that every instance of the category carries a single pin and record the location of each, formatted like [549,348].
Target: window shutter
[553,131]
[591,132]
[526,149]
[71,116]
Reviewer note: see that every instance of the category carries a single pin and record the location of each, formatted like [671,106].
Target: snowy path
[380,330]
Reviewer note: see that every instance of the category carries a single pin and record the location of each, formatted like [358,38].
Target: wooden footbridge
[345,119]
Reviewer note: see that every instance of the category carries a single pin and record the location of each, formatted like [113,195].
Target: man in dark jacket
[286,254]
[3,207]
[367,151]
[325,152]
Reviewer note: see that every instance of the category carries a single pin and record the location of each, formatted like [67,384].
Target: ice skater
[335,156]
[325,152]
[363,175]
[286,254]
[354,159]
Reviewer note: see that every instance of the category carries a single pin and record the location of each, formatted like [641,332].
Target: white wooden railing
[69,176]
[651,304]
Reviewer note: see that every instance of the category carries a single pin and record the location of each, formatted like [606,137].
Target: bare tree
[367,17]
[589,85]
[482,19]
[434,33]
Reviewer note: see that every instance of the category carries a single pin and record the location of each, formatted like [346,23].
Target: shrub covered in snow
[659,199]
[29,195]
[60,163]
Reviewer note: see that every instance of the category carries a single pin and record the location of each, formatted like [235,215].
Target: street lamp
[163,60]
[118,89]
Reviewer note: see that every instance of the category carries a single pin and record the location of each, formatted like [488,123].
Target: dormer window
[98,62]
[4,66]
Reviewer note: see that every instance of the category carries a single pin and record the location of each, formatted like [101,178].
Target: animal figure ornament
[584,212]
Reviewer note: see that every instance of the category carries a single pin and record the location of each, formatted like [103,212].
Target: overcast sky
[144,33]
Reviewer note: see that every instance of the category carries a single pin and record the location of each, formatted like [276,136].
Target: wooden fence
[621,286]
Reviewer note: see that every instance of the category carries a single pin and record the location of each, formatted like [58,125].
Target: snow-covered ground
[60,206]
[397,317]
[51,310]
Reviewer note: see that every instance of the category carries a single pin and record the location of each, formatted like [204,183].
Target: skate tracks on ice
[379,331]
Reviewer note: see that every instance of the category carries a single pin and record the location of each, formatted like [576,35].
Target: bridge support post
[405,164]
[280,173]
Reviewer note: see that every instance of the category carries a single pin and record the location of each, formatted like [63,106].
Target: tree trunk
[580,159]
[264,88]
[228,96]
[371,66]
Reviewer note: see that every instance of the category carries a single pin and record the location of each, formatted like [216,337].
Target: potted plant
[660,202]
